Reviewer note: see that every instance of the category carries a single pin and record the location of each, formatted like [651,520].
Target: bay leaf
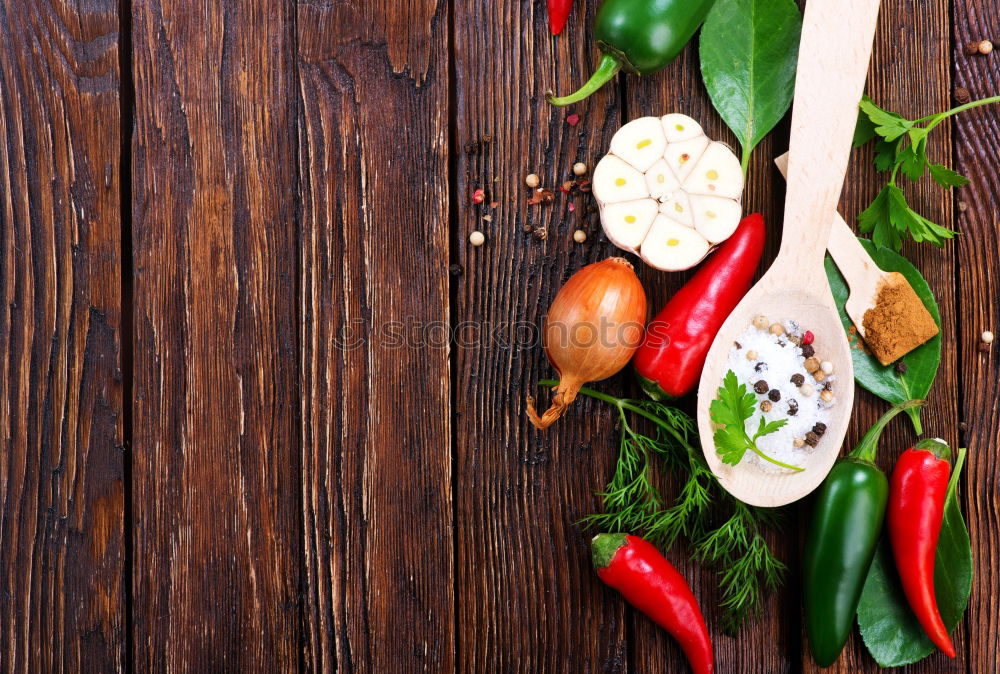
[749,51]
[888,626]
[921,363]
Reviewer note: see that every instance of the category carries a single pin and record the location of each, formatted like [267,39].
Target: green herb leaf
[912,162]
[885,154]
[747,569]
[945,177]
[889,125]
[921,363]
[890,631]
[768,428]
[730,412]
[749,50]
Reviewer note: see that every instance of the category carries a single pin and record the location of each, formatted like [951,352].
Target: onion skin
[593,327]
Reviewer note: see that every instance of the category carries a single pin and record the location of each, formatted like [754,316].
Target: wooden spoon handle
[834,52]
[854,262]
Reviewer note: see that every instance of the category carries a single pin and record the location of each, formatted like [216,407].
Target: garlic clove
[682,156]
[640,142]
[678,127]
[627,222]
[678,207]
[660,180]
[715,218]
[717,173]
[614,180]
[671,246]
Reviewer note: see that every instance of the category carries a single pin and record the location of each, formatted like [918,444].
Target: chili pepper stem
[866,449]
[606,70]
[936,447]
[603,548]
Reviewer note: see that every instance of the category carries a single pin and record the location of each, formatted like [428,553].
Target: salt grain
[783,364]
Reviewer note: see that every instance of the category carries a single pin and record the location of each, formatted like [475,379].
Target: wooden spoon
[834,52]
[868,282]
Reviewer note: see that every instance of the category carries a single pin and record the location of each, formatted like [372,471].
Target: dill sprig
[721,531]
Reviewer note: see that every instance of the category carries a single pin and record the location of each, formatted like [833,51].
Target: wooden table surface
[234,240]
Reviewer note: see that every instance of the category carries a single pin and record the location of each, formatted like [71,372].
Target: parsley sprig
[720,531]
[901,147]
[730,411]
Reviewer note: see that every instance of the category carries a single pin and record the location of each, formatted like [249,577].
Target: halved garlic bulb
[668,192]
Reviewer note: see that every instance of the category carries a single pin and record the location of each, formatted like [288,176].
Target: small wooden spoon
[867,282]
[834,52]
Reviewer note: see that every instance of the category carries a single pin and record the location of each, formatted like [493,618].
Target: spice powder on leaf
[899,322]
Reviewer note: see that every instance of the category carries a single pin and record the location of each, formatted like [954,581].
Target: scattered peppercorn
[793,407]
[985,47]
[901,367]
[774,394]
[826,366]
[808,337]
[478,196]
[541,233]
[811,365]
[808,351]
[819,428]
[798,442]
[579,168]
[579,236]
[761,386]
[532,180]
[477,238]
[819,375]
[807,390]
[760,322]
[798,379]
[751,355]
[737,345]
[826,396]
[987,337]
[455,270]
[765,406]
[962,95]
[812,439]
[776,329]
[760,367]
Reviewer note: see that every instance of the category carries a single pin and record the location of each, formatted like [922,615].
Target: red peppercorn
[808,337]
[479,196]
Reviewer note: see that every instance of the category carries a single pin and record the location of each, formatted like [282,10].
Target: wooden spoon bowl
[834,52]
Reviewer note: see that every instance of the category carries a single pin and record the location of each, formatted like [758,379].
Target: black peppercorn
[798,379]
[738,345]
[761,386]
[901,367]
[819,429]
[793,407]
[774,394]
[808,351]
[760,367]
[812,439]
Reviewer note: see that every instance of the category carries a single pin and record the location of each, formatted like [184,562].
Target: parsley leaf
[730,412]
[901,147]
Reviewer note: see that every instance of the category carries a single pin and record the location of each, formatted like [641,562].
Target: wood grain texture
[62,606]
[527,597]
[216,461]
[910,75]
[376,457]
[977,146]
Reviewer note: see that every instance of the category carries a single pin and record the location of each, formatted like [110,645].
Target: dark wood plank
[770,643]
[527,597]
[376,476]
[62,605]
[216,468]
[977,145]
[910,74]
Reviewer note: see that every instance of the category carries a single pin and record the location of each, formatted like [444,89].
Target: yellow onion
[592,329]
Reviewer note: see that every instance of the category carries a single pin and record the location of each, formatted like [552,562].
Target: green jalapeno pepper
[841,543]
[639,37]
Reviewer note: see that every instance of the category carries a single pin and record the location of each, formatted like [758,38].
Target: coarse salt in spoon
[834,52]
[884,307]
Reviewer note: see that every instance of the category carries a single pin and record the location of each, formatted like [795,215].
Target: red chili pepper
[651,584]
[558,13]
[917,493]
[676,343]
